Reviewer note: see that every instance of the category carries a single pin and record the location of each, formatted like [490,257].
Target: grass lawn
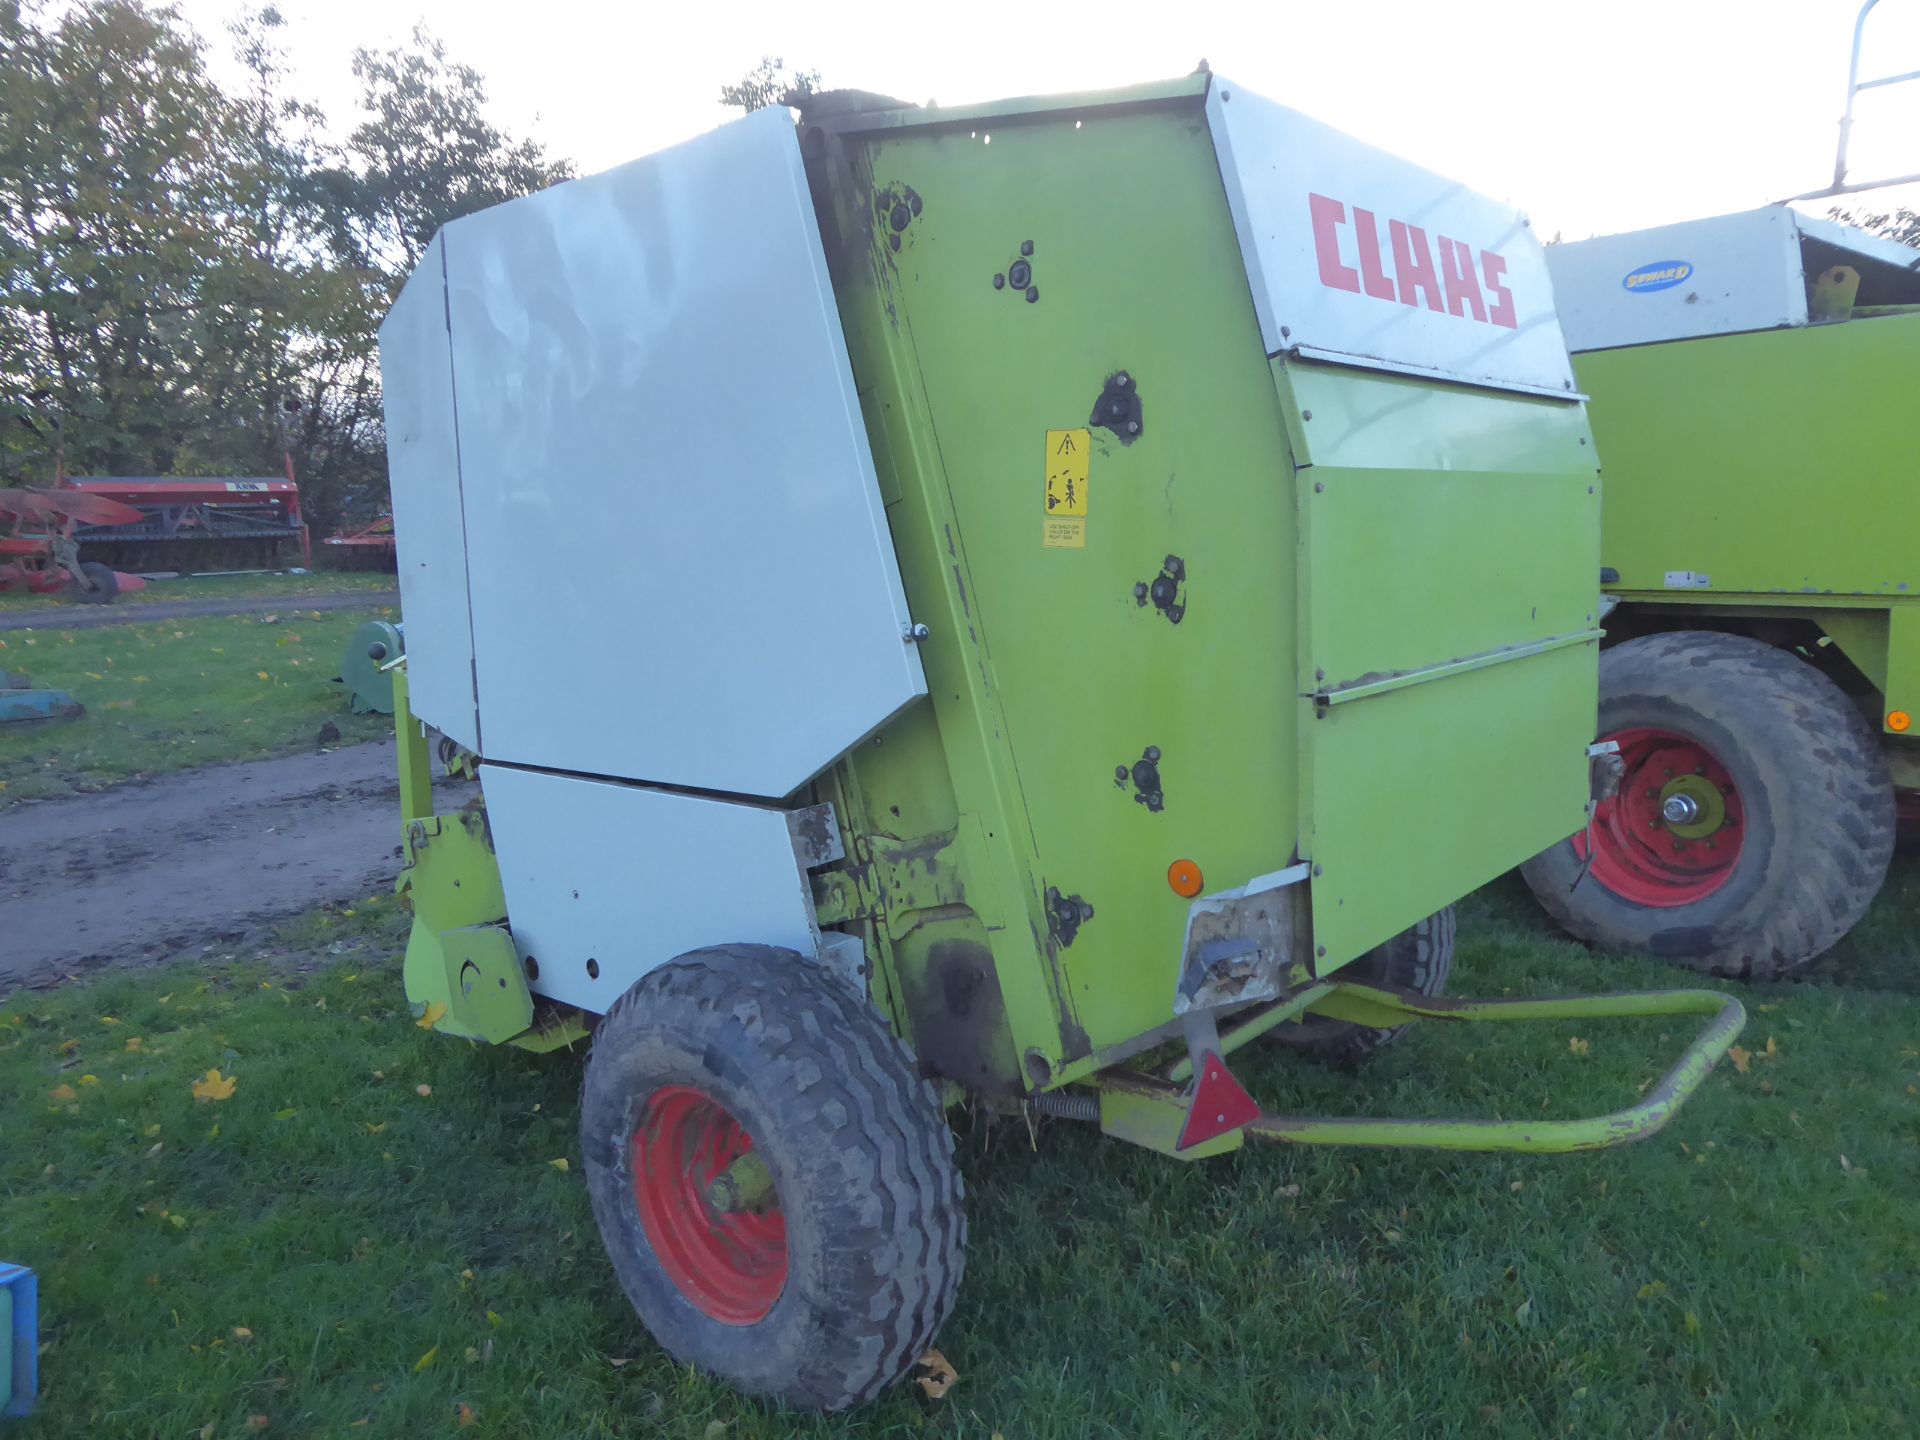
[376,1228]
[178,693]
[271,585]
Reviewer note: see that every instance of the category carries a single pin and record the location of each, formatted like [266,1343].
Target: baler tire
[859,1150]
[1817,800]
[1418,958]
[96,585]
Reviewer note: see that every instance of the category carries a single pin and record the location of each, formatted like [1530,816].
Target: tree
[191,279]
[118,202]
[769,83]
[1897,224]
[426,155]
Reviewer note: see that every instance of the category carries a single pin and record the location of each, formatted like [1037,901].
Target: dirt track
[92,617]
[148,870]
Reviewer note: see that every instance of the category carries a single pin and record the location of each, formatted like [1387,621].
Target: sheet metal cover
[607,882]
[1362,258]
[1721,275]
[672,515]
[423,472]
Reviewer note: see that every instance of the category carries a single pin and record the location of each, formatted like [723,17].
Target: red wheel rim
[1673,833]
[731,1263]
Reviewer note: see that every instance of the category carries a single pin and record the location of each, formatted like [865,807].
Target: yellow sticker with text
[1067,455]
[1064,532]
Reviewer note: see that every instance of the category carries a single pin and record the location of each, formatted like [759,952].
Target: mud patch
[141,872]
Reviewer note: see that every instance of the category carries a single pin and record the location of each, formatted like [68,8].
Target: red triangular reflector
[1220,1104]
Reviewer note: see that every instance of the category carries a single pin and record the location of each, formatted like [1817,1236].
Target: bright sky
[1592,115]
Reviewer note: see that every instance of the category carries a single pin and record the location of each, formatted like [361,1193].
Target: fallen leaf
[109,1020]
[286,1114]
[1290,1192]
[715,1429]
[472,1356]
[463,1416]
[1741,1058]
[1693,1323]
[620,1363]
[1525,1311]
[560,1164]
[1772,1052]
[939,1376]
[89,1079]
[134,1042]
[376,1129]
[242,1334]
[67,1047]
[63,1094]
[214,1087]
[423,1091]
[1517,1186]
[263,675]
[435,1013]
[1579,1046]
[1652,1290]
[258,1422]
[426,1360]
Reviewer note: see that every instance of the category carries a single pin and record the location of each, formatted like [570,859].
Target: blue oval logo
[1660,275]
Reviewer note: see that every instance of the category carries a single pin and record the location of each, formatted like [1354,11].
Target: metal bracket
[1240,942]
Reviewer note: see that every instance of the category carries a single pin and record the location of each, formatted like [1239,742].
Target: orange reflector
[1184,877]
[1899,721]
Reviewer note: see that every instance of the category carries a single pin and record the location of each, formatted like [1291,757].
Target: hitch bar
[1382,1007]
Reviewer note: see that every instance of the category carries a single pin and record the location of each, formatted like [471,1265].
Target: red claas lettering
[1446,275]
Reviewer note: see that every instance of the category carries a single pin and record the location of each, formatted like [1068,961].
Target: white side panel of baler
[674,526]
[423,470]
[1324,287]
[1717,276]
[626,878]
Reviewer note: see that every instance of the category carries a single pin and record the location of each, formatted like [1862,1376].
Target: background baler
[1117,568]
[1749,380]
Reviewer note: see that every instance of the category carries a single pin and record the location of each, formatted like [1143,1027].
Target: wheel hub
[1673,833]
[708,1205]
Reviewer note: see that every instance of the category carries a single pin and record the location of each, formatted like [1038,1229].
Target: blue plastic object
[20,1324]
[31,705]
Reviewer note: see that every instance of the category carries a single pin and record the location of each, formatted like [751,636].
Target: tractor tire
[824,1288]
[1754,821]
[95,585]
[1418,958]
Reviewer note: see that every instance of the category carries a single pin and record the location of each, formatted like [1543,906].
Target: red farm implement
[38,550]
[367,547]
[195,523]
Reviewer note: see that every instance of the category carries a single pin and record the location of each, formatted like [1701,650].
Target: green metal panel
[1449,565]
[1776,465]
[1453,556]
[1422,794]
[1072,677]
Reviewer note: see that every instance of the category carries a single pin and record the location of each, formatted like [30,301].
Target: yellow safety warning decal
[1064,532]
[1067,453]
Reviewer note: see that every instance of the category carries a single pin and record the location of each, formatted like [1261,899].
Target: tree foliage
[1896,224]
[768,83]
[192,279]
